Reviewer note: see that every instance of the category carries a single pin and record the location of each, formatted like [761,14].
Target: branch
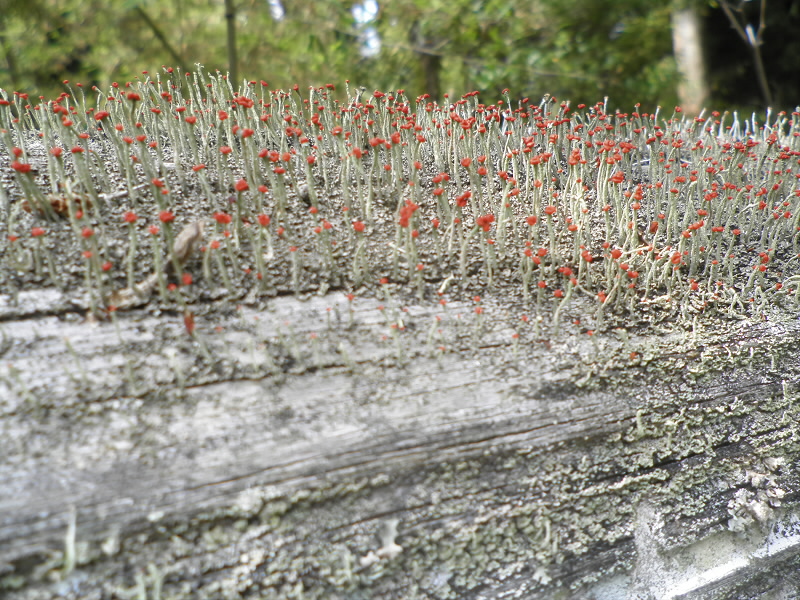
[734,21]
[754,43]
[161,37]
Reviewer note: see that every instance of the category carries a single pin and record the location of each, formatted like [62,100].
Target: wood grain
[263,456]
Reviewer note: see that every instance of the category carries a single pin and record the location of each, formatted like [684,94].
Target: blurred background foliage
[578,49]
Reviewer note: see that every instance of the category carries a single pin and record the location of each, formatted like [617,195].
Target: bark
[306,448]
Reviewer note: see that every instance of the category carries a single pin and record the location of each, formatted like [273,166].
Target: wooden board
[265,456]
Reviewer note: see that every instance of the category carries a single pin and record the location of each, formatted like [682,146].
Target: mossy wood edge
[566,469]
[298,348]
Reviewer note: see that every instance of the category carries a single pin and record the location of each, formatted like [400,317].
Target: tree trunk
[431,67]
[688,48]
[429,61]
[233,58]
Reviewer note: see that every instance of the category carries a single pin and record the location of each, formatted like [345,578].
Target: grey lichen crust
[651,479]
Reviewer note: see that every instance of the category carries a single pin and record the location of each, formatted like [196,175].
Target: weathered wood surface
[264,457]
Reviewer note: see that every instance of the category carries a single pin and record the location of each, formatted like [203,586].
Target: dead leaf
[187,240]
